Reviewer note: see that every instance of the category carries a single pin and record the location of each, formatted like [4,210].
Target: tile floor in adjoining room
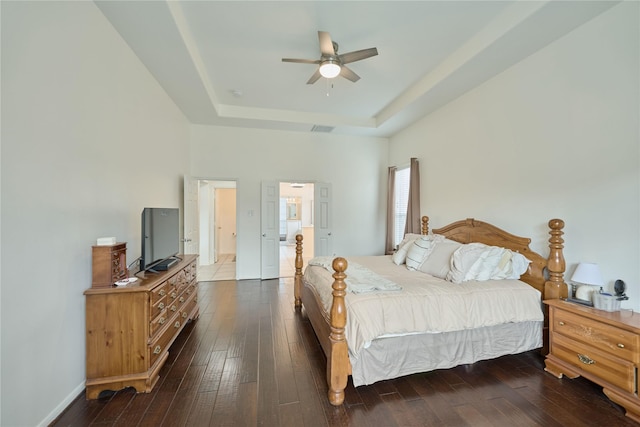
[225,268]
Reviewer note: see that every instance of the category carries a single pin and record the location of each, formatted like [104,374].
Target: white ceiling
[429,53]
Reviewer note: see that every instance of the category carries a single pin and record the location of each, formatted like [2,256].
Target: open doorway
[296,216]
[217,224]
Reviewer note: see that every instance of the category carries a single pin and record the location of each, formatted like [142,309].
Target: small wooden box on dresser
[602,346]
[130,328]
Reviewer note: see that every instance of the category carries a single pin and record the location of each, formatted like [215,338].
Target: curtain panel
[413,224]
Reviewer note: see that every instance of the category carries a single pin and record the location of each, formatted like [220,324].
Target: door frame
[212,184]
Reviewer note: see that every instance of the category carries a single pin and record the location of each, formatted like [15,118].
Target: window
[401,201]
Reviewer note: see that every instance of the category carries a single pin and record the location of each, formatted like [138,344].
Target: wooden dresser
[130,328]
[601,346]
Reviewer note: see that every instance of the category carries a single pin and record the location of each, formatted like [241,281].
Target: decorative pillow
[418,252]
[438,263]
[400,255]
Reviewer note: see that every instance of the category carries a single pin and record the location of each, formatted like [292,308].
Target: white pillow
[519,265]
[438,263]
[400,255]
[418,251]
[464,259]
[477,261]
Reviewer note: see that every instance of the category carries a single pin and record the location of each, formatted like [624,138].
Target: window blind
[401,202]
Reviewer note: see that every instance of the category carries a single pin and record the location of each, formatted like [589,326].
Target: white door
[322,220]
[270,230]
[191,228]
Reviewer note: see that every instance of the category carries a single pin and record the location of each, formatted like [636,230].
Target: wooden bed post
[338,357]
[555,287]
[297,278]
[425,225]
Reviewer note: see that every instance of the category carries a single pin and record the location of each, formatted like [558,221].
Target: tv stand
[130,328]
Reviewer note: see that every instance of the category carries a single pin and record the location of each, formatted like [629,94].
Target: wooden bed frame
[330,329]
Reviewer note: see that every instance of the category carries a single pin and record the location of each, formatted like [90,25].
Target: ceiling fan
[332,64]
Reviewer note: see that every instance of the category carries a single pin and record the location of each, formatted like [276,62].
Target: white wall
[555,136]
[356,168]
[88,139]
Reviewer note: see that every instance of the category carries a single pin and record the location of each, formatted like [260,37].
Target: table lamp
[589,277]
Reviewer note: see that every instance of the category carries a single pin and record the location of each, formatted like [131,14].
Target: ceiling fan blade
[326,45]
[301,61]
[314,78]
[357,55]
[348,74]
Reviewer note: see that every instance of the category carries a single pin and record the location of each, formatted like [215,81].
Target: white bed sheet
[425,304]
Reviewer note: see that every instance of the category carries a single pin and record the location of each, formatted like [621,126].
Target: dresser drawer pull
[157,350]
[561,323]
[162,292]
[161,306]
[174,308]
[162,320]
[620,345]
[181,299]
[177,324]
[173,294]
[184,315]
[586,359]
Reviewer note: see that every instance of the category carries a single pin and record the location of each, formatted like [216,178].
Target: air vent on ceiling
[320,128]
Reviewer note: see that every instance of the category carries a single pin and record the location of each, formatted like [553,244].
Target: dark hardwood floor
[251,360]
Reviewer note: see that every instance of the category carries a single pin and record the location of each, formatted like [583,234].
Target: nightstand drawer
[618,372]
[594,334]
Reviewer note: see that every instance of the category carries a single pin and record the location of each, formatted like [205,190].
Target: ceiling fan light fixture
[329,69]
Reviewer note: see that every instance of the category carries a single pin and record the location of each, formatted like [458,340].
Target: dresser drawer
[188,307]
[159,292]
[162,342]
[609,339]
[618,372]
[158,322]
[158,307]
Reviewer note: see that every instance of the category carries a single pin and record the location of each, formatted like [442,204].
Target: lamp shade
[588,273]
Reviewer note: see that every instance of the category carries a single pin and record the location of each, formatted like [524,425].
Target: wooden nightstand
[602,346]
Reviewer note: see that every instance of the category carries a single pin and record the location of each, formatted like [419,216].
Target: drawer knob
[184,315]
[161,306]
[162,320]
[162,293]
[181,299]
[586,359]
[157,350]
[561,323]
[620,345]
[174,308]
[177,324]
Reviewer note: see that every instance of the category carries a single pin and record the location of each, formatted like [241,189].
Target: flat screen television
[160,238]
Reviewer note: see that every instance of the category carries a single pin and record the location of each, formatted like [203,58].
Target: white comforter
[425,304]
